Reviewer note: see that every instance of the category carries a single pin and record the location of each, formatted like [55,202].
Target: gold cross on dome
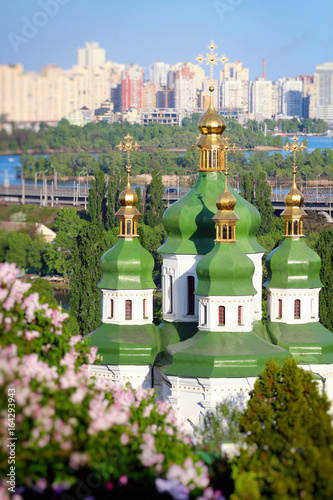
[128,146]
[212,60]
[294,147]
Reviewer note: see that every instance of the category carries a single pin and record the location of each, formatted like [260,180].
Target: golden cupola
[211,125]
[225,217]
[210,143]
[294,214]
[128,214]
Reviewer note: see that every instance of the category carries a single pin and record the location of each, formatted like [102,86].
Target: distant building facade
[90,55]
[324,80]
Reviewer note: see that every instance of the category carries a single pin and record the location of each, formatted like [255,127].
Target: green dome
[225,270]
[293,265]
[189,223]
[127,266]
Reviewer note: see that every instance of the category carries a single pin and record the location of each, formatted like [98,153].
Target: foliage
[155,205]
[217,427]
[85,296]
[324,248]
[96,200]
[288,437]
[59,255]
[75,430]
[18,217]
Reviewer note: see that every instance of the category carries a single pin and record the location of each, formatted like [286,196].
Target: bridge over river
[319,200]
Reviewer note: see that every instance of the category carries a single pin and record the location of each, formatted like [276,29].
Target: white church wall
[140,314]
[192,397]
[257,283]
[309,305]
[137,375]
[209,313]
[175,271]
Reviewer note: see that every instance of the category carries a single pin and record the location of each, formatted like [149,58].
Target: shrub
[76,433]
[288,438]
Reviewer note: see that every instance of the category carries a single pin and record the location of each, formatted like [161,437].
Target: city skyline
[292,39]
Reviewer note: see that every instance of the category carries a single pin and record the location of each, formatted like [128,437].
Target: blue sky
[293,35]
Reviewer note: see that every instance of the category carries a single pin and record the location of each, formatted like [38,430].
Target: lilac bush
[70,426]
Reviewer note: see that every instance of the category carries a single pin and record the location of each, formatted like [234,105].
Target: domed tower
[225,354]
[191,229]
[293,287]
[126,339]
[225,289]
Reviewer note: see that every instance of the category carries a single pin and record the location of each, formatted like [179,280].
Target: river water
[11,164]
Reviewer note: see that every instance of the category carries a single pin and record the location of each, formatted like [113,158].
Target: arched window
[312,308]
[128,309]
[230,233]
[144,308]
[295,227]
[225,232]
[204,315]
[221,315]
[122,227]
[297,309]
[170,294]
[190,295]
[289,228]
[240,315]
[279,308]
[111,308]
[129,227]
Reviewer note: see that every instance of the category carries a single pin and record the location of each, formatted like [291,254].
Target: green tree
[248,187]
[96,200]
[155,204]
[85,296]
[35,255]
[324,248]
[264,204]
[17,246]
[288,437]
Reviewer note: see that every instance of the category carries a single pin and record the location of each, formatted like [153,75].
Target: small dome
[226,201]
[211,122]
[294,198]
[128,197]
[293,265]
[127,266]
[225,270]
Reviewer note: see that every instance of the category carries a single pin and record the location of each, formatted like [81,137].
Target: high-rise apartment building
[158,73]
[324,81]
[132,88]
[199,74]
[309,97]
[185,89]
[90,55]
[291,97]
[52,94]
[261,99]
[234,71]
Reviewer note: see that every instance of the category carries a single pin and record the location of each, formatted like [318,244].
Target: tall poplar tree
[324,248]
[96,200]
[85,299]
[155,205]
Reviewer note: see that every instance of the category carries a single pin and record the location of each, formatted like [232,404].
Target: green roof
[308,343]
[126,344]
[218,354]
[189,223]
[225,270]
[293,265]
[127,266]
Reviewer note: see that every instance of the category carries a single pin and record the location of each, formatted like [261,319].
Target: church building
[211,344]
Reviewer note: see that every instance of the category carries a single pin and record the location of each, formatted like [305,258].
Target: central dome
[211,122]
